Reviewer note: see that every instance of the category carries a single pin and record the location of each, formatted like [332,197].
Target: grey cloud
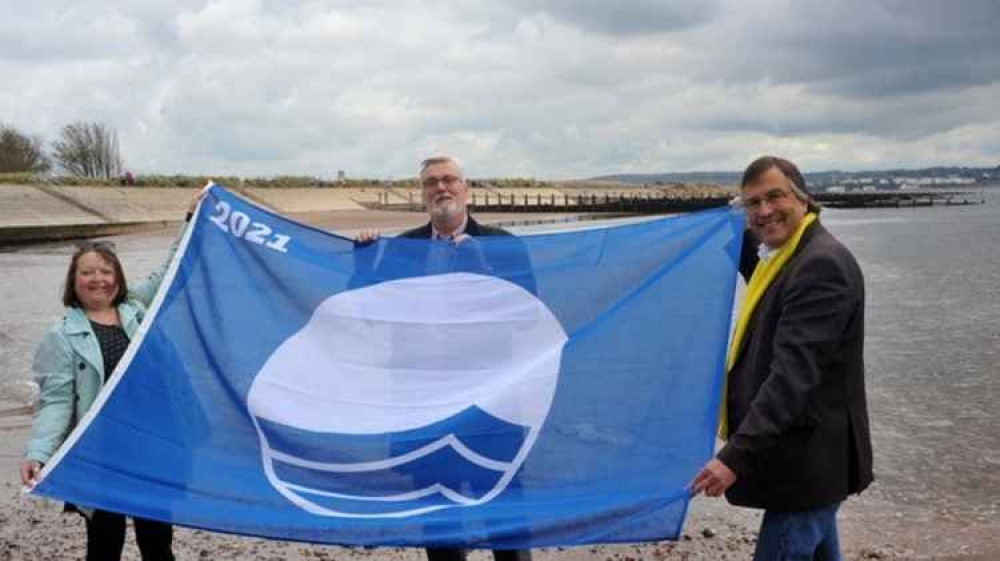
[869,49]
[68,36]
[637,17]
[61,30]
[553,88]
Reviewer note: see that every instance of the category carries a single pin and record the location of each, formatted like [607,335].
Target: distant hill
[715,177]
[818,179]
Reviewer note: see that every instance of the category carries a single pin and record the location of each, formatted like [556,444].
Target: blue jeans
[805,535]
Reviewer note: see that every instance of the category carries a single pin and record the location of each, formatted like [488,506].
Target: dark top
[113,342]
[472,228]
[469,256]
[519,262]
[515,259]
[796,394]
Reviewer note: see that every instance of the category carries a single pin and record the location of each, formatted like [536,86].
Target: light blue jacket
[69,367]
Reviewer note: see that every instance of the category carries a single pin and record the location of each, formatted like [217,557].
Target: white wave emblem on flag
[408,396]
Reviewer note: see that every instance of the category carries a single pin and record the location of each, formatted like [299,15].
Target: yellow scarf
[763,275]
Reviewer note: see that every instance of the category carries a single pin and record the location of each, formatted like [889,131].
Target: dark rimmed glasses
[446,180]
[771,197]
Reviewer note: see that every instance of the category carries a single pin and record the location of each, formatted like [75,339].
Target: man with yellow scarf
[794,413]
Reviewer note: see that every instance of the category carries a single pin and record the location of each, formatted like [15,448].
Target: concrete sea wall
[41,213]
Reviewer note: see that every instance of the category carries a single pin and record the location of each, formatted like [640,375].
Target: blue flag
[502,392]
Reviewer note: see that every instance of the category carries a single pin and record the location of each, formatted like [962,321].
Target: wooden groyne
[899,199]
[651,203]
[662,203]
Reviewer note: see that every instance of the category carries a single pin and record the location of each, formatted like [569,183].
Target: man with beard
[445,194]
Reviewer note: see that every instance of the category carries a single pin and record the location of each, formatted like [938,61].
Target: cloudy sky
[550,89]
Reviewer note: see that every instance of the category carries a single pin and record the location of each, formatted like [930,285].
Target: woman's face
[95,283]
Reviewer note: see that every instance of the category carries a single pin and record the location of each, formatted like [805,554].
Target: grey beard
[445,212]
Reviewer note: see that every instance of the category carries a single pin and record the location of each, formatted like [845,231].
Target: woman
[73,361]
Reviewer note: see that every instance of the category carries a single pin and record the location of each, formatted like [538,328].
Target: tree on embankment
[20,152]
[88,149]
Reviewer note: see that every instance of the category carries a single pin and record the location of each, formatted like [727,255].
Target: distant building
[953,180]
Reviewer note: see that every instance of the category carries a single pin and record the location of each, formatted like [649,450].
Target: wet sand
[873,526]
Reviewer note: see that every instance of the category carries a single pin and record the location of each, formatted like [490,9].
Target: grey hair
[435,160]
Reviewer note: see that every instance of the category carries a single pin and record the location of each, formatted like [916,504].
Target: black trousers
[106,537]
[442,554]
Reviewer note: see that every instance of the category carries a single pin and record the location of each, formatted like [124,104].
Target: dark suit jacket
[469,256]
[472,228]
[798,417]
[521,262]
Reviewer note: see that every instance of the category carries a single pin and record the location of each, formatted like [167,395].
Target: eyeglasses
[772,197]
[446,180]
[90,245]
